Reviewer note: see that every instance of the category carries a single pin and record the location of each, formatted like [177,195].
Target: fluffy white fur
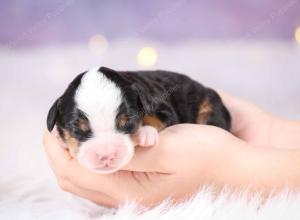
[41,199]
[99,98]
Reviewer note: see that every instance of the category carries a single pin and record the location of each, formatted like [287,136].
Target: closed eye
[80,126]
[127,123]
[84,125]
[122,120]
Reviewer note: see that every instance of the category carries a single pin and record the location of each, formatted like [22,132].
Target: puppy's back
[191,101]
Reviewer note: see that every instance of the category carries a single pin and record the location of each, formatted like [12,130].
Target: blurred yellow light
[98,44]
[297,35]
[147,57]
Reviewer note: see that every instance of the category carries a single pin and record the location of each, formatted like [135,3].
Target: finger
[94,196]
[57,156]
[53,147]
[151,159]
[162,157]
[68,169]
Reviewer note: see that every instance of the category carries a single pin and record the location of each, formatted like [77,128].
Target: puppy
[104,113]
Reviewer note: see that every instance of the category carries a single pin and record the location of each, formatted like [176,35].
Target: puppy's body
[174,98]
[104,113]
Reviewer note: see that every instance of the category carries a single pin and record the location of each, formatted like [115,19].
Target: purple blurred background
[31,22]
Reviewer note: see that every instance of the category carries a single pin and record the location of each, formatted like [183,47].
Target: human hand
[258,127]
[184,160]
[190,156]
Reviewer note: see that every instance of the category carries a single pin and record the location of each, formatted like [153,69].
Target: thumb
[155,158]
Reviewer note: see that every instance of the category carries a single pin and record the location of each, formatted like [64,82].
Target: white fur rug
[41,199]
[31,79]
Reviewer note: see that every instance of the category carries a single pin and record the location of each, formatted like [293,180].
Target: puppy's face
[96,117]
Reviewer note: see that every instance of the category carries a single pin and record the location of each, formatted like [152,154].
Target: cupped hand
[188,157]
[184,160]
[249,122]
[259,127]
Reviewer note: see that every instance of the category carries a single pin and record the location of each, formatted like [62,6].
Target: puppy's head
[96,117]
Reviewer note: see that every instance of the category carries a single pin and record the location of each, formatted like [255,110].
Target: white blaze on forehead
[99,98]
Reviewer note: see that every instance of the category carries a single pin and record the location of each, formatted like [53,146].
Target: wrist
[285,133]
[260,169]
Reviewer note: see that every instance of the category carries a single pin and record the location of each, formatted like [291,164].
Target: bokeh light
[297,35]
[98,44]
[147,57]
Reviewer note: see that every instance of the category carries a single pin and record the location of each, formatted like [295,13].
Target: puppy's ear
[52,115]
[114,76]
[144,98]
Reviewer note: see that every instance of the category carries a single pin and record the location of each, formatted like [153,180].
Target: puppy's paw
[147,136]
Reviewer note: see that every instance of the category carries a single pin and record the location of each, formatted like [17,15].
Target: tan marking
[84,125]
[72,143]
[154,122]
[205,110]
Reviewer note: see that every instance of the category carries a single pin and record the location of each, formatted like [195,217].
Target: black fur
[65,115]
[173,98]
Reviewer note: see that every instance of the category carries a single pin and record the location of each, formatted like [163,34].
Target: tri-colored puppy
[104,113]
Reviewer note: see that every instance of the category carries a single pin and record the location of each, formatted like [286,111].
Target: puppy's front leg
[147,136]
[148,132]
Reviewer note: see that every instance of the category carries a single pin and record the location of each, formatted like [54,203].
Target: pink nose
[99,160]
[106,158]
[105,153]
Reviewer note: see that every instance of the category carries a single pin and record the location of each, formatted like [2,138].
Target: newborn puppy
[104,113]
